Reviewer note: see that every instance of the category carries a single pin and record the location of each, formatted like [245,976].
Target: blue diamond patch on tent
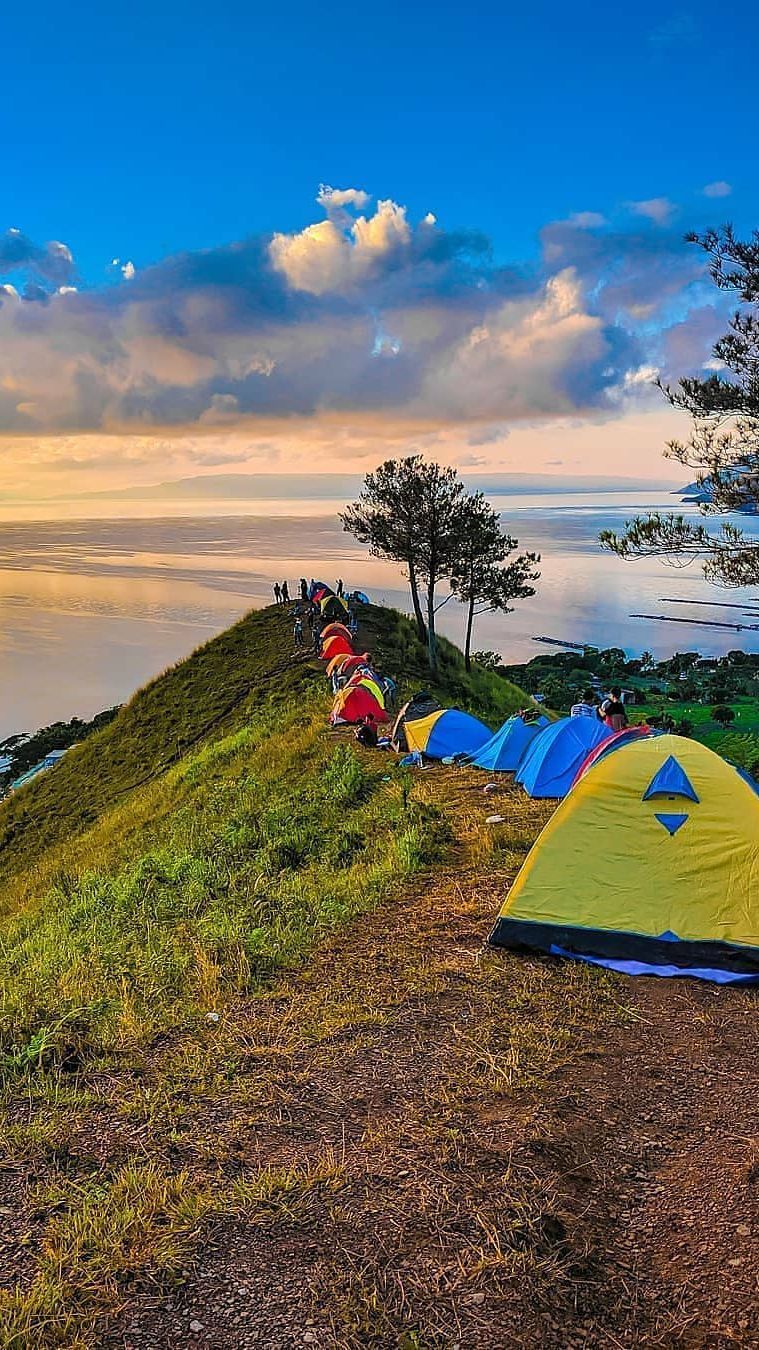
[671,823]
[670,780]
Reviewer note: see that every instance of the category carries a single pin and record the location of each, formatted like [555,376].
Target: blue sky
[495,273]
[142,130]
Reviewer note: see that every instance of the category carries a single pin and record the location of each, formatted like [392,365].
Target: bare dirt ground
[505,1152]
[451,1148]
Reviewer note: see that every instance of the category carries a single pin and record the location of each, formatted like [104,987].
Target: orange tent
[345,665]
[335,629]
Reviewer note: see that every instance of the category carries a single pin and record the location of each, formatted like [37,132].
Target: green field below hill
[746,712]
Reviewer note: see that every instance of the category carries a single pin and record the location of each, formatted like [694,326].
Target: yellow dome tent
[650,865]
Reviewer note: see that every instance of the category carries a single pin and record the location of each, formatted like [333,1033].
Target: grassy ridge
[211,690]
[204,839]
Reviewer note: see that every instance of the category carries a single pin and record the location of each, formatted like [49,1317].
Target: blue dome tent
[506,748]
[446,732]
[549,767]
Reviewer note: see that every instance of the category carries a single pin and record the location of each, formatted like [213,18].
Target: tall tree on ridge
[480,580]
[386,518]
[413,512]
[442,533]
[724,444]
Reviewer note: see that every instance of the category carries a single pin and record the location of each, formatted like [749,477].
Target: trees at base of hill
[419,515]
[723,715]
[24,751]
[723,447]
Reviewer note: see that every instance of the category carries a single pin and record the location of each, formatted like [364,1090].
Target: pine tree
[723,447]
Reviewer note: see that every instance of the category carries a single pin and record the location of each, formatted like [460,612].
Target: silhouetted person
[285,594]
[303,588]
[277,593]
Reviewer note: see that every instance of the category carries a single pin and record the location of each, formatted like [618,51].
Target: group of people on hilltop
[610,710]
[308,620]
[282,591]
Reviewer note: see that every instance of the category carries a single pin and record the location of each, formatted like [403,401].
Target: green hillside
[204,838]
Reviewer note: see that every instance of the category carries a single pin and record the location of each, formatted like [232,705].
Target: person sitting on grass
[366,732]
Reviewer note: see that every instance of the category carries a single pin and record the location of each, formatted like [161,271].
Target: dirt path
[455,1151]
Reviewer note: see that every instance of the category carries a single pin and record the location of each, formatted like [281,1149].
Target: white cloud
[61,251]
[718,189]
[587,220]
[335,198]
[329,257]
[518,363]
[369,315]
[657,209]
[67,290]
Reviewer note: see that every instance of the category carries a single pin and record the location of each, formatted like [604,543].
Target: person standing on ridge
[303,588]
[277,593]
[298,631]
[340,586]
[285,594]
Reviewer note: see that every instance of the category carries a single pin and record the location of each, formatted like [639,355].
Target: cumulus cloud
[658,209]
[718,189]
[587,220]
[334,199]
[339,254]
[51,262]
[365,311]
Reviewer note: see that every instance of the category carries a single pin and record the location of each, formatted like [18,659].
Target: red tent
[336,646]
[354,704]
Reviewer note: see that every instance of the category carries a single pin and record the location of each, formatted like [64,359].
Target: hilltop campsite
[379,677]
[258,1052]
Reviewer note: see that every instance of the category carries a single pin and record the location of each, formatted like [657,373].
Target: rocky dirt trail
[462,1150]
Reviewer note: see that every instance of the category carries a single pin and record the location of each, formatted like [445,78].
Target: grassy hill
[207,836]
[261,1085]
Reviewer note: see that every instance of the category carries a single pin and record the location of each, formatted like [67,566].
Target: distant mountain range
[331,486]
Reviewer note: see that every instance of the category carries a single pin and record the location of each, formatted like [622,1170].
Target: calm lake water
[93,608]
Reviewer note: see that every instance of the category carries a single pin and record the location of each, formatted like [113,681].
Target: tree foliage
[419,514]
[723,715]
[26,750]
[723,447]
[482,578]
[385,518]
